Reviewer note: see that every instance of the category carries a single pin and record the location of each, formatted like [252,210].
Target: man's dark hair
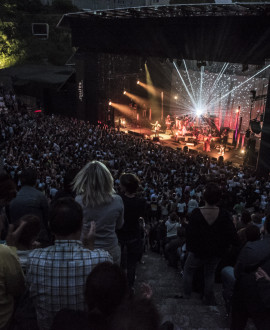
[67,319]
[28,177]
[246,217]
[212,193]
[130,181]
[252,233]
[106,287]
[65,217]
[136,314]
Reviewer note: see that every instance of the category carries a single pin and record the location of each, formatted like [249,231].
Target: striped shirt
[56,277]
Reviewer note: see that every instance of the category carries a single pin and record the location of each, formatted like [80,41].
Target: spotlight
[110,102]
[176,97]
[138,82]
[124,92]
[199,112]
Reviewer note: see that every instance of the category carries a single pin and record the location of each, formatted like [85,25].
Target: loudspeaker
[255,126]
[156,139]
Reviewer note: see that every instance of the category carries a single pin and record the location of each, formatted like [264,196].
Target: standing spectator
[31,201]
[209,234]
[130,235]
[192,204]
[56,275]
[95,193]
[181,208]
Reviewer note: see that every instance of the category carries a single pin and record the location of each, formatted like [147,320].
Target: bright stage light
[199,112]
[124,92]
[242,151]
[176,97]
[110,103]
[138,82]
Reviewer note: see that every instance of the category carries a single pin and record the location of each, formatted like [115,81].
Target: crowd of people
[81,203]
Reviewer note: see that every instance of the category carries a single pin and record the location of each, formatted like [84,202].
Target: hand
[89,237]
[13,236]
[146,291]
[260,273]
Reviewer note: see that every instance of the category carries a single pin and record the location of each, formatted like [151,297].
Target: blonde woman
[94,189]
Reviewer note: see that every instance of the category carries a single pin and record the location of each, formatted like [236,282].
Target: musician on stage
[168,122]
[156,128]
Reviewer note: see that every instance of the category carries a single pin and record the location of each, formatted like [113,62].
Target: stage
[231,154]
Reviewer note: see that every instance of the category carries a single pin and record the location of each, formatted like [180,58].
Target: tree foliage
[18,45]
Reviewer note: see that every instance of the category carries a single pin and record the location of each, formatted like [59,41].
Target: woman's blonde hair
[94,183]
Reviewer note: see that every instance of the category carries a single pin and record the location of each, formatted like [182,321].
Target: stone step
[188,314]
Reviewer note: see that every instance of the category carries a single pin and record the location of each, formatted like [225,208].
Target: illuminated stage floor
[231,154]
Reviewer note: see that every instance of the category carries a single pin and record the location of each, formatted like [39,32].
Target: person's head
[106,287]
[130,182]
[68,319]
[7,189]
[95,183]
[29,231]
[212,193]
[173,217]
[245,217]
[256,218]
[65,217]
[68,179]
[252,233]
[136,314]
[28,177]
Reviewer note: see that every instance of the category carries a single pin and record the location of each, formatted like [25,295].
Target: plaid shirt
[56,277]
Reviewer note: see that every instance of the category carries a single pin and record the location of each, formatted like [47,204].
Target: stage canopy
[236,33]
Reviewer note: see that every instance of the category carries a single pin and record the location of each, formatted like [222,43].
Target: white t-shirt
[181,207]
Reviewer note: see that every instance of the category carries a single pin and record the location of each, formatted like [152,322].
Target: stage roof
[236,33]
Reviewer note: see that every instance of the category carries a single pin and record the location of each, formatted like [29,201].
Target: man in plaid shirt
[57,274]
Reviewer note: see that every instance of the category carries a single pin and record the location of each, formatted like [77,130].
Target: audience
[42,156]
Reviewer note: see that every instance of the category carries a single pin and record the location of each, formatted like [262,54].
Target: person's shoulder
[117,198]
[41,252]
[6,251]
[98,254]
